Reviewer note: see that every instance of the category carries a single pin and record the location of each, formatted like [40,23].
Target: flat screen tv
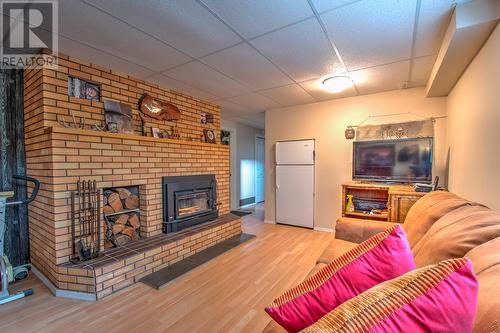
[405,160]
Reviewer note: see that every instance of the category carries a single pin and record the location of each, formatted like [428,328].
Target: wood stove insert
[188,200]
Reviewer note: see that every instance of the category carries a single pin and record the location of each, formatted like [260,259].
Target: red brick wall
[59,157]
[122,88]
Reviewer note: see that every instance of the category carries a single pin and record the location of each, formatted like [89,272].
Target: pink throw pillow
[380,258]
[439,298]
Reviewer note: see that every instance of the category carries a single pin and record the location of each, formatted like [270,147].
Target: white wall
[473,108]
[245,158]
[326,122]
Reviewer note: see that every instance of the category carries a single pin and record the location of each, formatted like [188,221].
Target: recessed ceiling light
[335,83]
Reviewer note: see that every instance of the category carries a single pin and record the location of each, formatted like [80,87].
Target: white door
[295,152]
[259,169]
[295,195]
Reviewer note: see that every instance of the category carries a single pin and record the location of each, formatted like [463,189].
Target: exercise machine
[7,274]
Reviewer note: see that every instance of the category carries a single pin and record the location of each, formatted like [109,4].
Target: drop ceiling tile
[90,26]
[381,78]
[246,65]
[302,50]
[253,119]
[288,95]
[314,89]
[370,33]
[95,56]
[434,18]
[255,102]
[421,70]
[255,17]
[231,106]
[202,77]
[169,83]
[324,5]
[184,24]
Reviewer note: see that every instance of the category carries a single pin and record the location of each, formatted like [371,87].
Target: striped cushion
[379,258]
[440,298]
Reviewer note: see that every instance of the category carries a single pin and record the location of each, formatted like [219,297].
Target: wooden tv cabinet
[398,198]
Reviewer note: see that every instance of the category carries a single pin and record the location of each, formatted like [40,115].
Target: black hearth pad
[160,278]
[240,212]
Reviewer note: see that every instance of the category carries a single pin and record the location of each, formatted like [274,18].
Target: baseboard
[61,292]
[324,229]
[269,222]
[247,201]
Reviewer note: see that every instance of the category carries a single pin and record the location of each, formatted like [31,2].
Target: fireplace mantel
[64,130]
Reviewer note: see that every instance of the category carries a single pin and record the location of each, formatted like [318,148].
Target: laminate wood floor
[227,294]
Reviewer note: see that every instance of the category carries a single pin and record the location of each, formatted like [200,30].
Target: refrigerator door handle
[276,182]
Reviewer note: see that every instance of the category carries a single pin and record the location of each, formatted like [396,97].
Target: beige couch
[439,226]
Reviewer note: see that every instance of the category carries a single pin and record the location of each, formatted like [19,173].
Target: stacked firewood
[122,216]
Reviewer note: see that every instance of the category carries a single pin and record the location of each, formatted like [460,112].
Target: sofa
[439,226]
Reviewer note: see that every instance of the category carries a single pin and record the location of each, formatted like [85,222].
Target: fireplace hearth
[188,200]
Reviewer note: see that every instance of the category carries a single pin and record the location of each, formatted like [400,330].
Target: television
[404,160]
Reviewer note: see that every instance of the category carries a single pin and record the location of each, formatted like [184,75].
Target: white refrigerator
[295,183]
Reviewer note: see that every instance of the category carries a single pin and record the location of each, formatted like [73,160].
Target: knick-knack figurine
[349,207]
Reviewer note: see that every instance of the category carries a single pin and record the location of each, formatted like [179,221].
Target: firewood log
[115,202]
[134,221]
[121,239]
[106,193]
[117,228]
[123,193]
[132,202]
[121,219]
[135,235]
[129,231]
[108,210]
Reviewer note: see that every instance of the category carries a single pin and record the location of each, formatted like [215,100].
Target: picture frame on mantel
[155,132]
[209,135]
[118,117]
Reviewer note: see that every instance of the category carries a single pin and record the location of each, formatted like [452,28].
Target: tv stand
[394,200]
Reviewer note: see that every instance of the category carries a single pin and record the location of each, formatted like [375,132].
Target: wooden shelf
[135,137]
[399,199]
[383,216]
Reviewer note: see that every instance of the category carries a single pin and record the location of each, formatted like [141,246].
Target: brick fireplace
[60,156]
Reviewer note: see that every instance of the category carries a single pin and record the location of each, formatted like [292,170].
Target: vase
[350,205]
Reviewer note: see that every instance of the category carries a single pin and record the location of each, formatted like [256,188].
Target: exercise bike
[7,274]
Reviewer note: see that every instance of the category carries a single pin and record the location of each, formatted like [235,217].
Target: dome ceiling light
[335,83]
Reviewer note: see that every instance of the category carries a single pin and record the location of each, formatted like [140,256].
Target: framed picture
[118,117]
[206,118]
[81,88]
[225,137]
[155,131]
[209,135]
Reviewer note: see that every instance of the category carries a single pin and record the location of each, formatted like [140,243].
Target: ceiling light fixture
[335,83]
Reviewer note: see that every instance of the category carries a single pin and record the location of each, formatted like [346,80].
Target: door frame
[234,168]
[259,136]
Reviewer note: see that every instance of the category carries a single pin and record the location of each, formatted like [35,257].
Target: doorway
[259,169]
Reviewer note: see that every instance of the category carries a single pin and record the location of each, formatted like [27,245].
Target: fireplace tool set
[85,220]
